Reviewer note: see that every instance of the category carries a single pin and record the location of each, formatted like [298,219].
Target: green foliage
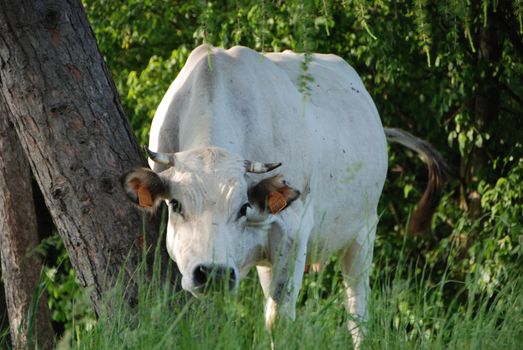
[146,88]
[502,220]
[69,305]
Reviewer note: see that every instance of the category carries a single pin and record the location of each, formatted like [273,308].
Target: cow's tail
[437,173]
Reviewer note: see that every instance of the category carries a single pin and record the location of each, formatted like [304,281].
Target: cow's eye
[176,205]
[243,210]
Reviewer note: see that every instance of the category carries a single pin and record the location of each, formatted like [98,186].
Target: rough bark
[72,127]
[21,266]
[4,318]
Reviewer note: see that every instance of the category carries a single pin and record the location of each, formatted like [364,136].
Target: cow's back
[331,143]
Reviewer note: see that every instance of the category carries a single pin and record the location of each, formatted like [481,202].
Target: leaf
[406,190]
[462,141]
[479,141]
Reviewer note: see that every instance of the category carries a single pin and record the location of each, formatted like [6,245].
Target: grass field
[409,312]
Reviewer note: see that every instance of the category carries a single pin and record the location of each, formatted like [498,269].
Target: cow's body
[331,145]
[227,106]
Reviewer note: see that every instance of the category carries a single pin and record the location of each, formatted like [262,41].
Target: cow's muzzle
[207,277]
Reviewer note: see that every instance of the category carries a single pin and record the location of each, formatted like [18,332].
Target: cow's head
[218,216]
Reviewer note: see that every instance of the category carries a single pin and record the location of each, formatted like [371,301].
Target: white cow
[226,113]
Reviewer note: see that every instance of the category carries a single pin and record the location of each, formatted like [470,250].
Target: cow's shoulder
[210,55]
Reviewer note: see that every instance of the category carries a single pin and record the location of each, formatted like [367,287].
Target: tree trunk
[72,127]
[486,103]
[21,266]
[4,318]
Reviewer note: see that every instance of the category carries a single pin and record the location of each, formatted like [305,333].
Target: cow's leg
[285,284]
[355,266]
[265,276]
[288,253]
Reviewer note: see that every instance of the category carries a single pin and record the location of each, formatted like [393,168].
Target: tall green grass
[409,312]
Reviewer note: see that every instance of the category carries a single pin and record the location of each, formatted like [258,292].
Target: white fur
[227,106]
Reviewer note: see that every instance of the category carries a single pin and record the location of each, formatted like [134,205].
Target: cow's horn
[259,168]
[161,158]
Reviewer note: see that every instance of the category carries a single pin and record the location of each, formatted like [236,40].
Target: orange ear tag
[277,202]
[144,197]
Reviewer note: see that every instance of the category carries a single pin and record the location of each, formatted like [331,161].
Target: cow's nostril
[200,276]
[207,277]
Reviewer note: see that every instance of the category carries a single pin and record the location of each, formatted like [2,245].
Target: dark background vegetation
[449,71]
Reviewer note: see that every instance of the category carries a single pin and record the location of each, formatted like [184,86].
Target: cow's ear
[144,187]
[273,194]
